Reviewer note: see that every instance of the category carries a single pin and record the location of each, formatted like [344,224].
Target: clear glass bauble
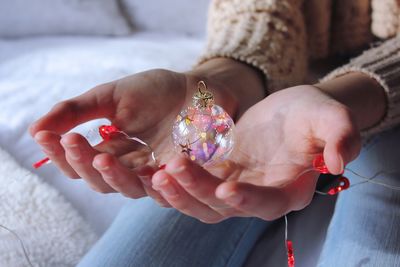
[204,134]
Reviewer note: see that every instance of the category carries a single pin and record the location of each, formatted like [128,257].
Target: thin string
[286,227]
[321,193]
[368,180]
[136,139]
[372,181]
[20,242]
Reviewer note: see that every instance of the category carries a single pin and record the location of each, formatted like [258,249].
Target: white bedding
[33,210]
[37,73]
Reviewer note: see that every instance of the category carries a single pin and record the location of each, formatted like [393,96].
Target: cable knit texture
[279,37]
[318,27]
[383,64]
[269,35]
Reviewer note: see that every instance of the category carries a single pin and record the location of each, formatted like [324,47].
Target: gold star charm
[186,148]
[188,120]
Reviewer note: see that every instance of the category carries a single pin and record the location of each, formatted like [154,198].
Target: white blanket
[51,229]
[37,73]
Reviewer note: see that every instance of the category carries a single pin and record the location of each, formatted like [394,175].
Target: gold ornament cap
[203,98]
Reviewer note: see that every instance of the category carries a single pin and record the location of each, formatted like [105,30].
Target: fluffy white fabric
[53,232]
[19,18]
[183,16]
[37,73]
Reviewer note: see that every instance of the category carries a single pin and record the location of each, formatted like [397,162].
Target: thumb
[94,104]
[342,146]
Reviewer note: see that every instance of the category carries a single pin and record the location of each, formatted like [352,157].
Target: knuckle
[212,220]
[133,195]
[303,204]
[66,105]
[228,213]
[162,203]
[100,189]
[182,206]
[276,214]
[70,173]
[280,209]
[73,176]
[271,216]
[114,180]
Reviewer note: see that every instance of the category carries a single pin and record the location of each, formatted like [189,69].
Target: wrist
[231,81]
[363,95]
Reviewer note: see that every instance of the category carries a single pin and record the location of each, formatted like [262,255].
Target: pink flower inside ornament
[204,132]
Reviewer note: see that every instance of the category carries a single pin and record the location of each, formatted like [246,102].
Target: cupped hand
[143,105]
[269,173]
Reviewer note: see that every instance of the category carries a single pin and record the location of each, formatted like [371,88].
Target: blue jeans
[146,235]
[364,230]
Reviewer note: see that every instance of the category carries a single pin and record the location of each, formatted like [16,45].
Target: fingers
[50,143]
[268,203]
[79,155]
[181,200]
[145,173]
[148,188]
[96,103]
[118,177]
[196,181]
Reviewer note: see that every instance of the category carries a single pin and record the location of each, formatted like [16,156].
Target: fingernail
[74,152]
[36,137]
[341,165]
[48,149]
[165,187]
[177,170]
[169,190]
[184,177]
[160,182]
[100,167]
[233,198]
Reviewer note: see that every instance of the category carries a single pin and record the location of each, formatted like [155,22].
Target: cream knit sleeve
[267,34]
[383,64]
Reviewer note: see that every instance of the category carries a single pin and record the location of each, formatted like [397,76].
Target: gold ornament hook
[201,84]
[203,99]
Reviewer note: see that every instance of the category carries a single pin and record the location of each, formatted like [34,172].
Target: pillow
[52,231]
[180,16]
[19,18]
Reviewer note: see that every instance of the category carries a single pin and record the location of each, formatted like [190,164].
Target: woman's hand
[142,105]
[269,173]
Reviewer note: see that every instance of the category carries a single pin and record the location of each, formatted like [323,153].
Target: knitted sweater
[279,37]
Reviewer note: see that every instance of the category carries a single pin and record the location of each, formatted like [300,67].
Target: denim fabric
[365,228]
[145,235]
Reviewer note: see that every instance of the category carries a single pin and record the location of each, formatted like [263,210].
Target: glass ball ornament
[204,132]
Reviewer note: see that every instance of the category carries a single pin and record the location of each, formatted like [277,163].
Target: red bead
[106,131]
[344,184]
[40,163]
[319,164]
[290,253]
